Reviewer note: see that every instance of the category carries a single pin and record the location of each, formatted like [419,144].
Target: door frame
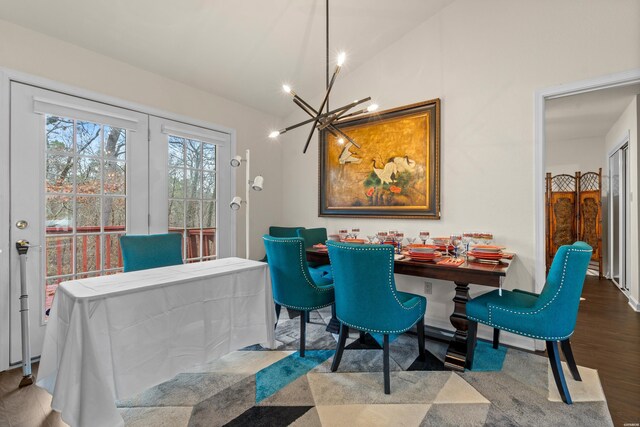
[540,98]
[6,77]
[625,141]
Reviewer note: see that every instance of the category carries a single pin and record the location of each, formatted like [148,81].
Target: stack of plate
[423,252]
[441,243]
[486,252]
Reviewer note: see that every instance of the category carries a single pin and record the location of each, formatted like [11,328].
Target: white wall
[628,124]
[40,55]
[485,60]
[573,155]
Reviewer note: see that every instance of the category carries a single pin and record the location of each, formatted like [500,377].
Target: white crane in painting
[387,174]
[347,156]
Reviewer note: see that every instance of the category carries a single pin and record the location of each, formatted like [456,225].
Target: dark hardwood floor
[607,338]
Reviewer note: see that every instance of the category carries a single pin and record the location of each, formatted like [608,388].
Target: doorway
[619,216]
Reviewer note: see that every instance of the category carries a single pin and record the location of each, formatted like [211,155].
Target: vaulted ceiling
[242,50]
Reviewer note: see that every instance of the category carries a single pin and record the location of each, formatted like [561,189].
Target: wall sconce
[256,184]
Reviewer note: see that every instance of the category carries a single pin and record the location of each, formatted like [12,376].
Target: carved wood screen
[574,212]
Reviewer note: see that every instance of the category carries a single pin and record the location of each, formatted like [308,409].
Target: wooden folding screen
[574,212]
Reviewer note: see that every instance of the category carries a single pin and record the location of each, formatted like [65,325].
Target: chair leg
[496,337]
[278,308]
[363,334]
[554,358]
[307,316]
[385,350]
[303,332]
[472,339]
[420,327]
[568,354]
[342,340]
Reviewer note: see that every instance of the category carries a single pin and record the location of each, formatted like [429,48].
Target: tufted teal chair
[550,316]
[294,286]
[151,251]
[367,299]
[313,236]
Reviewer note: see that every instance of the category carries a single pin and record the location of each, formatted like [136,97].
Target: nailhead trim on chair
[295,307]
[564,272]
[360,328]
[304,272]
[518,332]
[395,296]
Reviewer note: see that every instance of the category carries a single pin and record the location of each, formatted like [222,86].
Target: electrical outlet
[427,288]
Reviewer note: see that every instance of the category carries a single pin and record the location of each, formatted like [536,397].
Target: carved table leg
[456,357]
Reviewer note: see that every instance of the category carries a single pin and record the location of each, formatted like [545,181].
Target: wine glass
[355,232]
[411,240]
[382,236]
[455,240]
[424,236]
[371,238]
[343,233]
[398,238]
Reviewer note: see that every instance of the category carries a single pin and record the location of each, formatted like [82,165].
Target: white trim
[624,140]
[67,109]
[4,221]
[193,132]
[635,305]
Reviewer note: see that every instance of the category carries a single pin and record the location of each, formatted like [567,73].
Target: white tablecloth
[111,337]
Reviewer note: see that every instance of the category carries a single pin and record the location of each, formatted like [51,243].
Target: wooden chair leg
[496,337]
[420,327]
[554,358]
[363,334]
[568,354]
[472,339]
[278,308]
[342,340]
[387,380]
[303,332]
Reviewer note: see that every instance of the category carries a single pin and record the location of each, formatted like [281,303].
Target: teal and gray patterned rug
[258,387]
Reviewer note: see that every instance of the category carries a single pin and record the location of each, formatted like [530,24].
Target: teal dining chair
[294,285]
[277,231]
[367,299]
[550,316]
[150,251]
[314,236]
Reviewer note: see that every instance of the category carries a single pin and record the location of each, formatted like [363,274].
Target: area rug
[260,387]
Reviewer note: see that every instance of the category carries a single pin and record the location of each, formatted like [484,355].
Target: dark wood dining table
[470,272]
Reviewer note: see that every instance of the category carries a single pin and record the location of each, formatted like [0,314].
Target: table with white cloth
[111,337]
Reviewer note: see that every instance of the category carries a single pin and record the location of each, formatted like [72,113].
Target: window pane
[59,255]
[115,143]
[193,214]
[193,243]
[112,254]
[59,214]
[50,290]
[193,154]
[208,242]
[115,177]
[176,151]
[176,214]
[194,184]
[176,183]
[59,134]
[88,138]
[209,215]
[87,214]
[209,156]
[114,213]
[88,176]
[88,252]
[209,186]
[59,174]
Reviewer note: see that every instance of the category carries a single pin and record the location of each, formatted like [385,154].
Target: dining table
[471,271]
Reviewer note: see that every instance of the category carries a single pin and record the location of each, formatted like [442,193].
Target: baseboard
[437,327]
[633,303]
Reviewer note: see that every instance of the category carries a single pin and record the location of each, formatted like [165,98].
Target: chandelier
[328,119]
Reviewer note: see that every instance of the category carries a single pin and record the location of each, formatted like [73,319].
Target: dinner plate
[485,255]
[487,248]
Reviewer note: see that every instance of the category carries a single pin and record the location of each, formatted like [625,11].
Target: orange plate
[484,255]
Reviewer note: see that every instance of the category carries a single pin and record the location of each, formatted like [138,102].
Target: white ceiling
[239,49]
[586,115]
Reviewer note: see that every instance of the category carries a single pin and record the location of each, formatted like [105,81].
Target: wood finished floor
[607,338]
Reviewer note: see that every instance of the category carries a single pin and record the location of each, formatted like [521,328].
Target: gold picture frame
[394,174]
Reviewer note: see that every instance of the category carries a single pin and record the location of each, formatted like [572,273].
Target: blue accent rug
[486,358]
[285,371]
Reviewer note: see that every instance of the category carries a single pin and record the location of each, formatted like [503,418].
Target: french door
[619,217]
[74,192]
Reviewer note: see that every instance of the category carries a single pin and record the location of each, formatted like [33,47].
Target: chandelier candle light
[328,119]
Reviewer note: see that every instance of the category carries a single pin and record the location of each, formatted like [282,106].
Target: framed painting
[395,173]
